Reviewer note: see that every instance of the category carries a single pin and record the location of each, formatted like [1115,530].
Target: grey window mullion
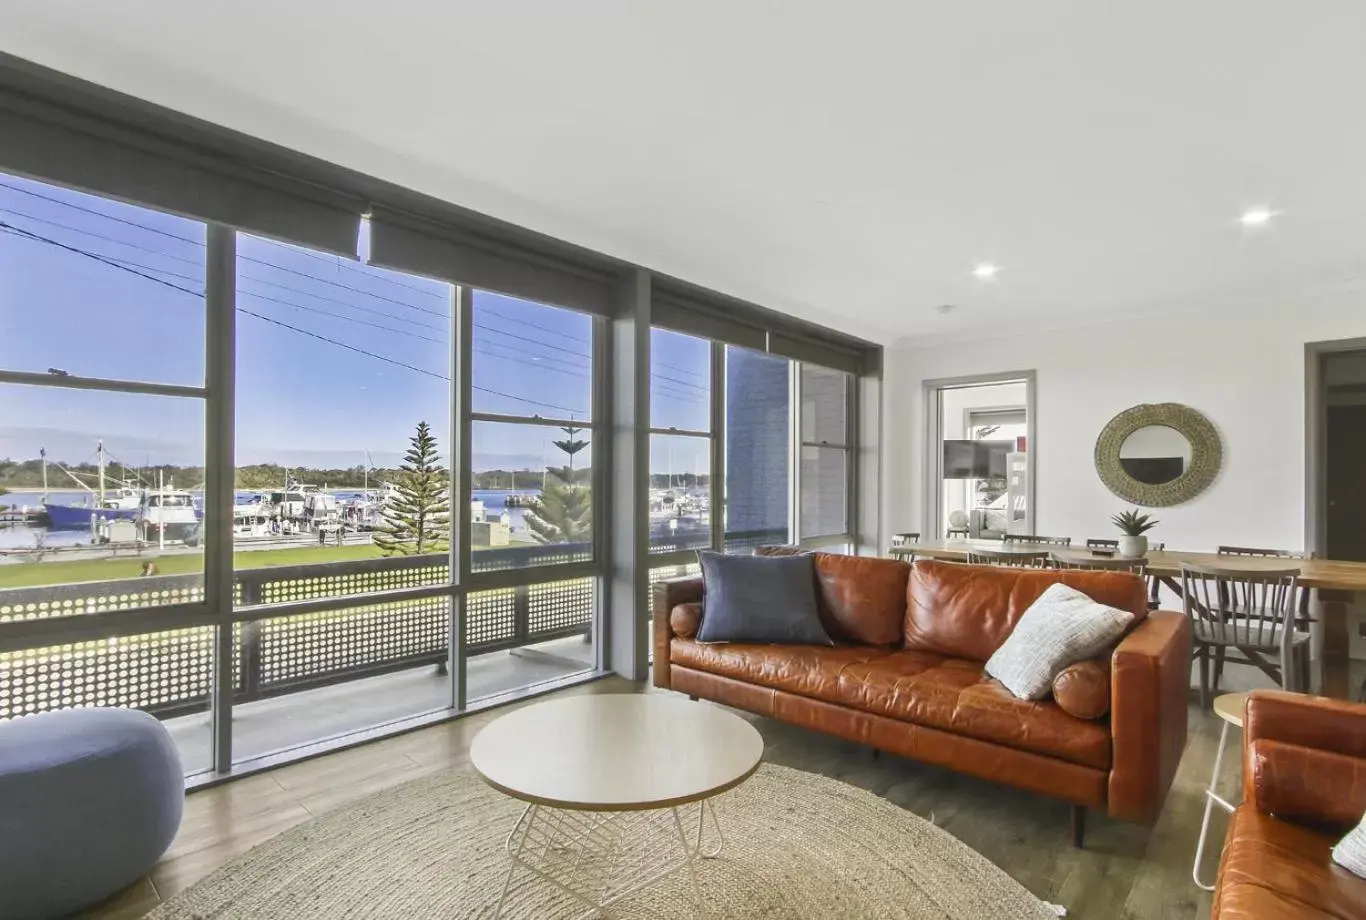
[462,382]
[220,286]
[718,446]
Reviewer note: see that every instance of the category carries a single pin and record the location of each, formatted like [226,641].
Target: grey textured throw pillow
[760,599]
[1350,853]
[1061,628]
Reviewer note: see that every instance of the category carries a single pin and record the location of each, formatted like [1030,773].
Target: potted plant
[1133,526]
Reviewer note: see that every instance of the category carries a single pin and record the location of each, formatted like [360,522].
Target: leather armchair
[1304,786]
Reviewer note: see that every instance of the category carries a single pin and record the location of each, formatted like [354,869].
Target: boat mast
[99,453]
[161,500]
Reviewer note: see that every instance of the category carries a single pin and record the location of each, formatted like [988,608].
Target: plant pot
[1133,546]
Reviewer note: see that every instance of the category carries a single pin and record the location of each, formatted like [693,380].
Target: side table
[1229,707]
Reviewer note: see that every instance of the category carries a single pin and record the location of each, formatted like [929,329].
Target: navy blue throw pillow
[760,599]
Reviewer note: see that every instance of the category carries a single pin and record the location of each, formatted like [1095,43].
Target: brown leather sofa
[906,676]
[1304,786]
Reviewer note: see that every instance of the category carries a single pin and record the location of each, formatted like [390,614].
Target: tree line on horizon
[28,475]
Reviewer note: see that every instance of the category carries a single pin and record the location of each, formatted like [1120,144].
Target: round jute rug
[798,847]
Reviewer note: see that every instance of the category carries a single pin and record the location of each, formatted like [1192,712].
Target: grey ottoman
[89,800]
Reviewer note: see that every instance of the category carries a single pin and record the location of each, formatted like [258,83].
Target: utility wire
[341,263]
[9,228]
[292,271]
[200,262]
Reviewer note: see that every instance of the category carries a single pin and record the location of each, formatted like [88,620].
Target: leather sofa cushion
[1083,689]
[862,598]
[1273,868]
[685,618]
[967,611]
[760,599]
[916,687]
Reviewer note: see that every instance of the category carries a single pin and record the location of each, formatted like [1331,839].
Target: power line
[166,255]
[292,271]
[121,220]
[33,236]
[135,266]
[340,263]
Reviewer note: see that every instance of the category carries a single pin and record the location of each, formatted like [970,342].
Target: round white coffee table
[614,784]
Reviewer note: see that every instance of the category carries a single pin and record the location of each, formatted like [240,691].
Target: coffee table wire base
[599,858]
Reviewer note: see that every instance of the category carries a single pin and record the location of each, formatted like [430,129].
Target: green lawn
[30,574]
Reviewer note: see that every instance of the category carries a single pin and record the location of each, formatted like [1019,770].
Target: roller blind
[112,154]
[690,318]
[681,315]
[810,351]
[409,244]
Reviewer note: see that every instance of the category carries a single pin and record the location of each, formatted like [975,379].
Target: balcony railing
[169,673]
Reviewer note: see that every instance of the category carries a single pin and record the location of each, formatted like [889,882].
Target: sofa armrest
[1149,687]
[1304,758]
[664,597]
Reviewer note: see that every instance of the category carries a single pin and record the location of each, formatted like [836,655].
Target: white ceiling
[847,162]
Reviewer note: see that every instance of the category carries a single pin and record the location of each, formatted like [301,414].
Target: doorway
[1336,519]
[979,474]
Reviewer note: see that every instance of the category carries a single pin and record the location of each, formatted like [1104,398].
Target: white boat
[320,507]
[167,514]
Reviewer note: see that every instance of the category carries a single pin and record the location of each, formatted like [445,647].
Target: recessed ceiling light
[985,271]
[1257,217]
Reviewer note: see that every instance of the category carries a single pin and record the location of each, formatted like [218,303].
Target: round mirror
[1155,454]
[1158,454]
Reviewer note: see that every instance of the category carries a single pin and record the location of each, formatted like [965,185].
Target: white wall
[1244,371]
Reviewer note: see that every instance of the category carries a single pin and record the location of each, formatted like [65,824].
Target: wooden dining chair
[1138,566]
[1250,612]
[1038,560]
[1102,544]
[1304,620]
[905,539]
[1034,538]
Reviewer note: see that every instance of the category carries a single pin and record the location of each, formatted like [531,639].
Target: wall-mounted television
[976,459]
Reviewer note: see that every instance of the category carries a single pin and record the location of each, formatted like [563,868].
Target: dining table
[1335,584]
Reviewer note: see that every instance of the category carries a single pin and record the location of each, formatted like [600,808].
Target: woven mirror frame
[1207,454]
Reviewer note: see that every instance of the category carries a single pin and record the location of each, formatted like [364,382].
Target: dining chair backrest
[1038,560]
[1102,544]
[1241,607]
[1138,566]
[1273,554]
[1033,538]
[905,539]
[1266,553]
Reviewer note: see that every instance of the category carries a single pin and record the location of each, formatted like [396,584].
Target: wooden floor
[1124,872]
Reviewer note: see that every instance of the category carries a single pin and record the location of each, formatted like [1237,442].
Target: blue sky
[112,290]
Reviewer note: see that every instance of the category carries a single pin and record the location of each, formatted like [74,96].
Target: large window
[825,439]
[342,490]
[680,442]
[290,470]
[532,513]
[758,449]
[102,452]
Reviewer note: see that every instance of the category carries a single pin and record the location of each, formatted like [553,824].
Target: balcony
[309,677]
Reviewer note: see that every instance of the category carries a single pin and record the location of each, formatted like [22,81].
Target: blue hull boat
[73,517]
